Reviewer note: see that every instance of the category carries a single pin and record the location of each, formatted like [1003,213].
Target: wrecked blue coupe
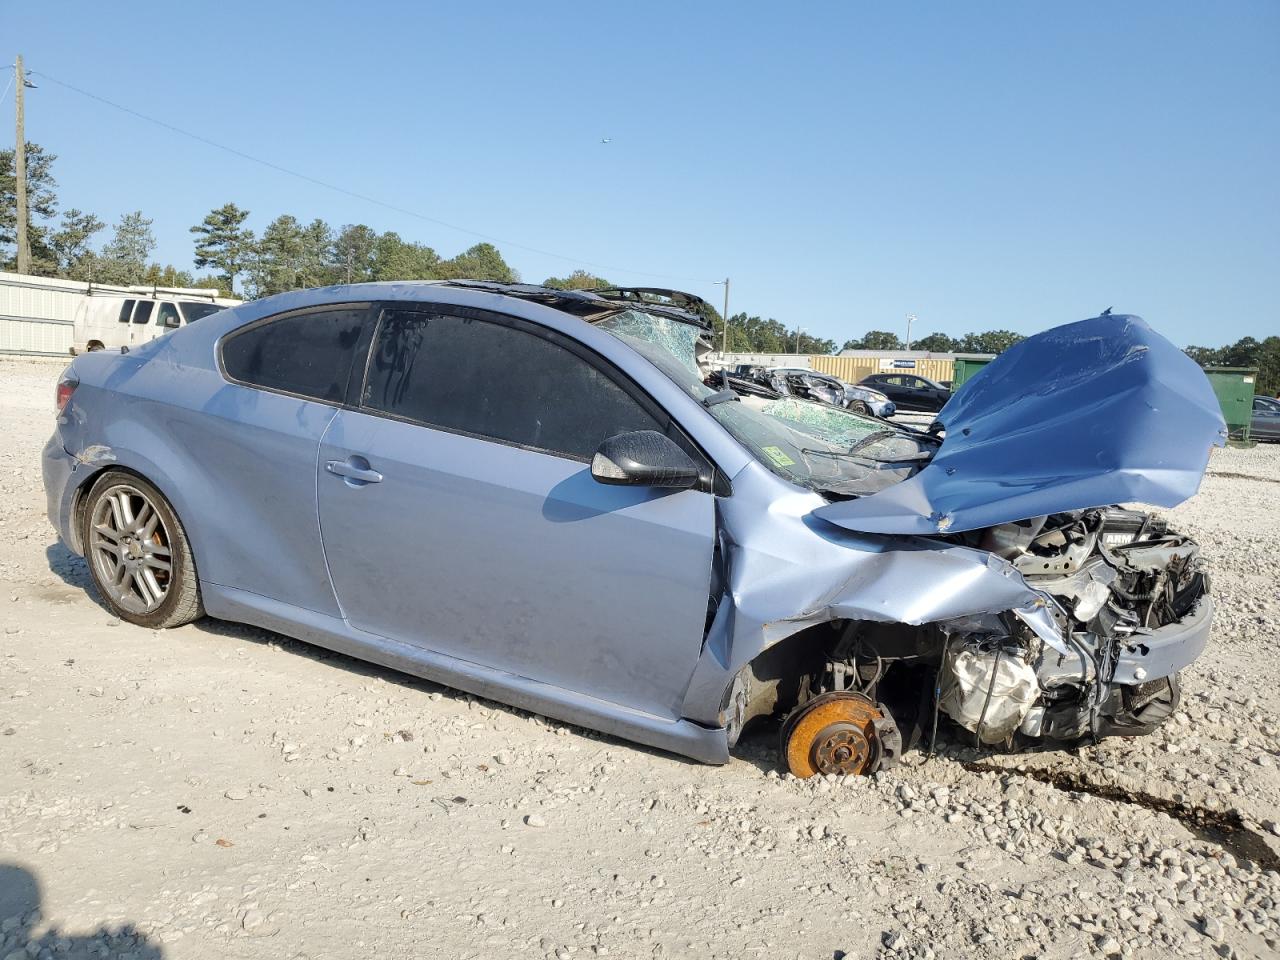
[531,495]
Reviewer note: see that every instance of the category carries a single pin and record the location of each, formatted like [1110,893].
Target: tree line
[291,254]
[288,255]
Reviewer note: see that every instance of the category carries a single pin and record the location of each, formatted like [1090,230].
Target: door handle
[355,470]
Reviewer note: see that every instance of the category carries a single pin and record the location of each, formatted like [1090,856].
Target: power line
[352,193]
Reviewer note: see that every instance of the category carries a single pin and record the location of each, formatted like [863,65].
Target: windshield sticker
[777,455]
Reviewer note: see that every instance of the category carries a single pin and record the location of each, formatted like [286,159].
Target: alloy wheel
[129,546]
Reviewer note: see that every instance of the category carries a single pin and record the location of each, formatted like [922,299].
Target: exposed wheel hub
[843,733]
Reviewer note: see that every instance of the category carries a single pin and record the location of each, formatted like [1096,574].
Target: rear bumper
[59,470]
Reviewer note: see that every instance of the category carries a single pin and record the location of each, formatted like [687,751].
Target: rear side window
[497,382]
[126,308]
[306,354]
[142,313]
[194,311]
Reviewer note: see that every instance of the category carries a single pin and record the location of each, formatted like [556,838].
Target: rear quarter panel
[238,465]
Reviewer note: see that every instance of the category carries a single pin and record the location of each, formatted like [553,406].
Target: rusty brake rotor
[834,733]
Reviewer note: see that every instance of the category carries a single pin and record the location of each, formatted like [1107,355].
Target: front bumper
[879,408]
[1166,650]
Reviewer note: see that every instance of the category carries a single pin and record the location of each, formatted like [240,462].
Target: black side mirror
[643,458]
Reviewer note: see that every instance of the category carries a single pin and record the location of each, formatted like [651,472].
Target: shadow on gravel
[364,668]
[20,914]
[73,570]
[1224,828]
[1241,476]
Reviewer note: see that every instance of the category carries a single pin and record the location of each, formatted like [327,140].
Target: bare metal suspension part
[843,733]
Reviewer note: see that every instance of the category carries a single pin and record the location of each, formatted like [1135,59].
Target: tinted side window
[142,313]
[126,308]
[498,382]
[309,354]
[194,311]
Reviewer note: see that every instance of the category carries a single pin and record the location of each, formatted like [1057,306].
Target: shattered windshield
[816,445]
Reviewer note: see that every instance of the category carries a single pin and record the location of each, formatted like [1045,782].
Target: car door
[459,513]
[938,394]
[1265,424]
[924,395]
[167,318]
[119,337]
[895,389]
[140,328]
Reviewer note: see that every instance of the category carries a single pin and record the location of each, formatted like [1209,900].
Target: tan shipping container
[853,369]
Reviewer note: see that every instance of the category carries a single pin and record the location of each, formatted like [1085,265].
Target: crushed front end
[991,582]
[1131,602]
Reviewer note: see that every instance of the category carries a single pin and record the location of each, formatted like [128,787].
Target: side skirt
[706,744]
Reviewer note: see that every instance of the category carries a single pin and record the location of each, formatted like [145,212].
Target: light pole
[20,82]
[911,318]
[724,327]
[799,330]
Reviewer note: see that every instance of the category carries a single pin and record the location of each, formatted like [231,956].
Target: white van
[111,321]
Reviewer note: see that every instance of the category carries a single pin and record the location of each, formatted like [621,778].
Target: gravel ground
[220,791]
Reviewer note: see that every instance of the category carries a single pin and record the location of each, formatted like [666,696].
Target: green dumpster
[966,365]
[1234,387]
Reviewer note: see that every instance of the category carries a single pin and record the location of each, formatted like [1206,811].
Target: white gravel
[220,791]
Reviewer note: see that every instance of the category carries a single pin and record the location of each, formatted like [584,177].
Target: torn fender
[1087,414]
[785,571]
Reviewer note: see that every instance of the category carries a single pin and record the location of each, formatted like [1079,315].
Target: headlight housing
[864,394]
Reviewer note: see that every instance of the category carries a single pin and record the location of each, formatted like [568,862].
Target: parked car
[774,382]
[825,388]
[1265,424]
[909,391]
[868,400]
[531,495]
[104,321]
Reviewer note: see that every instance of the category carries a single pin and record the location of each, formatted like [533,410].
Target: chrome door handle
[355,470]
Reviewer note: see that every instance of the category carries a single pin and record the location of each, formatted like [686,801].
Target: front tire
[138,553]
[860,407]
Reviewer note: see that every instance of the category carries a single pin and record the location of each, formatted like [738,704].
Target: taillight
[67,384]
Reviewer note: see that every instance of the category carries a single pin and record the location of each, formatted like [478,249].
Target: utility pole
[20,170]
[724,329]
[799,330]
[911,318]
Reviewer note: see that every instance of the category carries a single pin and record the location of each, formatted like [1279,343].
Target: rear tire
[138,553]
[93,347]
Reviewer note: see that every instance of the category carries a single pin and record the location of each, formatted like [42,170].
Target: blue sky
[982,165]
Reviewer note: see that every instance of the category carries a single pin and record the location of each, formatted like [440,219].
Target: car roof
[604,302]
[588,305]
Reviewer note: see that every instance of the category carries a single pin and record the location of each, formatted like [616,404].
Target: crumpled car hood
[1087,414]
